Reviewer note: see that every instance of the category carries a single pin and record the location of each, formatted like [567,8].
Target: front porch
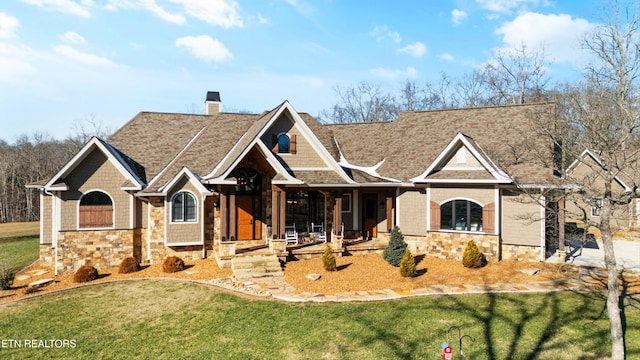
[225,252]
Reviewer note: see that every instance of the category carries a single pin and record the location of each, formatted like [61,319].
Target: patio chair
[290,234]
[318,233]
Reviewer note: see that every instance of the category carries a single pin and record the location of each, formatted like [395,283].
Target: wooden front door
[370,221]
[248,219]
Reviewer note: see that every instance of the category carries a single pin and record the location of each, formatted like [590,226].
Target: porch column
[232,216]
[561,227]
[389,208]
[278,208]
[224,216]
[337,214]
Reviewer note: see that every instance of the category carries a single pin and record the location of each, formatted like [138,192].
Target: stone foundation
[451,246]
[520,252]
[99,248]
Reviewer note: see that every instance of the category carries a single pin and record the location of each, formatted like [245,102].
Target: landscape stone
[529,271]
[40,283]
[313,276]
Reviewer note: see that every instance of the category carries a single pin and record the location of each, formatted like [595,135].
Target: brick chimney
[212,104]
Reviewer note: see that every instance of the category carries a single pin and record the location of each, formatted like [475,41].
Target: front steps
[246,267]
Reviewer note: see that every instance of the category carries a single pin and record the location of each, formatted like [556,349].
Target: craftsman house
[191,185]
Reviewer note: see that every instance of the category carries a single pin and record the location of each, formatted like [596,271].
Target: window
[463,215]
[304,208]
[346,203]
[183,207]
[283,143]
[96,211]
[595,209]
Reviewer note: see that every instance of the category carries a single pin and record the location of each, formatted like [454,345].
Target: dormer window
[284,144]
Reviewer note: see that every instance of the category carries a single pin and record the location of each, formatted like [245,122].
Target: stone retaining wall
[520,252]
[451,245]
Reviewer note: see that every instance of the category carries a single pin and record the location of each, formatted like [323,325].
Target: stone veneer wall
[520,252]
[451,245]
[98,248]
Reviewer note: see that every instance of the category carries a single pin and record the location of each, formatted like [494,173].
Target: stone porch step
[245,267]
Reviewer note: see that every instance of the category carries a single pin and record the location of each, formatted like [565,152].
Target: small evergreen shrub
[129,265]
[328,259]
[472,257]
[394,252]
[172,264]
[408,265]
[85,273]
[6,275]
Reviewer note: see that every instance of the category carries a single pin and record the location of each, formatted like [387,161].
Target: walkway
[277,288]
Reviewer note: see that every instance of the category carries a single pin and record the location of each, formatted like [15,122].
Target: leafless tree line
[33,159]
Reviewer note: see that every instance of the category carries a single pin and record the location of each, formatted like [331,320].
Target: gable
[301,154]
[586,170]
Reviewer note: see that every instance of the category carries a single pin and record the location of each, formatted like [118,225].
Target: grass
[19,244]
[168,319]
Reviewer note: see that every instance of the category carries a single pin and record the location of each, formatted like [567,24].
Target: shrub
[129,265]
[472,257]
[408,265]
[6,279]
[394,252]
[85,273]
[172,264]
[328,259]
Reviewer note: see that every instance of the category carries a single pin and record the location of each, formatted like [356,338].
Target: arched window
[183,207]
[284,143]
[463,215]
[96,211]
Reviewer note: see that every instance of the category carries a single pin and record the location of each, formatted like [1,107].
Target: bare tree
[361,103]
[515,75]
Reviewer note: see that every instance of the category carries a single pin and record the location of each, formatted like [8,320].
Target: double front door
[249,225]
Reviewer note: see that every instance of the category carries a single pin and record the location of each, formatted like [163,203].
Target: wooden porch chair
[318,233]
[290,234]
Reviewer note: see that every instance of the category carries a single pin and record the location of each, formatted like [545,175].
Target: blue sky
[64,62]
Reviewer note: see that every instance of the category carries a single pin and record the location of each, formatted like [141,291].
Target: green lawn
[156,319]
[19,244]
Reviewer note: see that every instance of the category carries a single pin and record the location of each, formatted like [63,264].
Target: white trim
[427,189]
[579,161]
[497,211]
[115,159]
[465,181]
[463,168]
[149,230]
[113,211]
[543,202]
[42,217]
[132,212]
[185,148]
[398,218]
[193,179]
[461,198]
[191,243]
[55,219]
[184,222]
[202,211]
[499,175]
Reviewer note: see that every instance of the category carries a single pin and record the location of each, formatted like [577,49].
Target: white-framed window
[184,207]
[346,203]
[462,215]
[95,211]
[595,209]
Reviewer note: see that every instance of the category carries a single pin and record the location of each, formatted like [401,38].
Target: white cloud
[205,47]
[504,5]
[458,16]
[72,37]
[160,12]
[82,57]
[416,49]
[8,26]
[558,36]
[383,32]
[446,57]
[302,6]
[64,6]
[15,62]
[223,13]
[393,75]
